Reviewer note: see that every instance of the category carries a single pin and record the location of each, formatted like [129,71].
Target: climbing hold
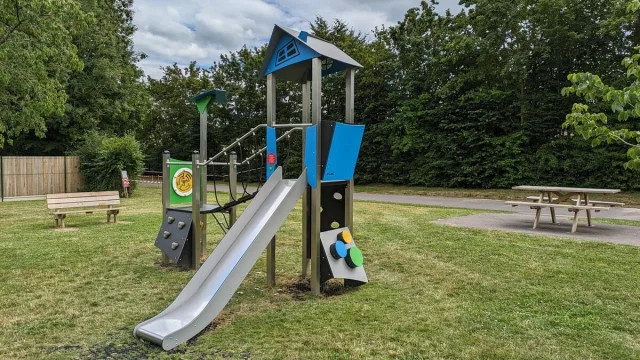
[201,225]
[167,234]
[338,250]
[180,225]
[345,235]
[174,245]
[171,219]
[354,258]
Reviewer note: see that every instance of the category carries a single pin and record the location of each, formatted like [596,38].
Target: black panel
[325,268]
[352,283]
[307,236]
[204,209]
[333,210]
[181,255]
[326,137]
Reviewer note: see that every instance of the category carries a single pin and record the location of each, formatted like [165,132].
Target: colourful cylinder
[354,257]
[338,250]
[345,235]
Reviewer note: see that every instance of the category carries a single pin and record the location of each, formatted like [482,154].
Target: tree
[173,122]
[478,92]
[37,54]
[107,93]
[624,104]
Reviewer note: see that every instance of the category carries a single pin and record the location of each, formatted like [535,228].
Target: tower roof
[290,52]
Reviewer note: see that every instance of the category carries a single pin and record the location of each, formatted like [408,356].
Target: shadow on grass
[300,289]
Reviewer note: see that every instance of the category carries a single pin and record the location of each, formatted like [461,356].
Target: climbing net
[251,173]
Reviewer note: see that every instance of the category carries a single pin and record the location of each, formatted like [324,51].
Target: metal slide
[219,277]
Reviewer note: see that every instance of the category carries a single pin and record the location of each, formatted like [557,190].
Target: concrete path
[463,203]
[519,219]
[522,223]
[484,204]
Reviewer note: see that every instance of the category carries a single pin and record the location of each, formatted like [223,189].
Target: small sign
[183,182]
[271,158]
[125,179]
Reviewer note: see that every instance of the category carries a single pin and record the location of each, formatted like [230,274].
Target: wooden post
[1,181]
[574,228]
[586,202]
[537,219]
[552,209]
[65,173]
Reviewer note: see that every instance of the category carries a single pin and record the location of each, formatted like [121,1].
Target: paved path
[519,219]
[464,203]
[522,223]
[484,204]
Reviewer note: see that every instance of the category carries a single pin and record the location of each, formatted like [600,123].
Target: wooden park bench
[86,202]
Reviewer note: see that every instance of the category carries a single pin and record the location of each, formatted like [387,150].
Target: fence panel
[74,180]
[39,175]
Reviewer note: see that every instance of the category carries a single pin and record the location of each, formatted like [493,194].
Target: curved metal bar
[236,142]
[213,164]
[286,134]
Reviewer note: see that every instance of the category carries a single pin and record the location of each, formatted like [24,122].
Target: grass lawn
[627,197]
[435,292]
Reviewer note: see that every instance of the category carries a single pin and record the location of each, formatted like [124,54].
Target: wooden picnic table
[573,199]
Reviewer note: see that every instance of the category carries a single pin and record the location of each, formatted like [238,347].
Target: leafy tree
[107,93]
[173,122]
[479,92]
[624,105]
[37,55]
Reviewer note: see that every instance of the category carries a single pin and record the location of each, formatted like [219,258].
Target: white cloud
[179,32]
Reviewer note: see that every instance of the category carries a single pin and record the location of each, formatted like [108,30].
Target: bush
[103,158]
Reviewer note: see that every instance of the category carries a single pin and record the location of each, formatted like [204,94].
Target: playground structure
[330,151]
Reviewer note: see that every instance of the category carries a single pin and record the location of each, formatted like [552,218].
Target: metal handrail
[286,126]
[236,142]
[249,133]
[286,134]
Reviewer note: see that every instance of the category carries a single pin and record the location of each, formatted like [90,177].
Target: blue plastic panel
[288,52]
[272,151]
[343,154]
[310,154]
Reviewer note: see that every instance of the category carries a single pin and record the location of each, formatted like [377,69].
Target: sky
[181,31]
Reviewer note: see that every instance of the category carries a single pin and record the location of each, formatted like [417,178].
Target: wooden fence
[36,176]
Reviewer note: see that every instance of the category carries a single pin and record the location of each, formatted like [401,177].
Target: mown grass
[631,197]
[435,292]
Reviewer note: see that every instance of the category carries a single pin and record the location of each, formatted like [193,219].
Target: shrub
[103,158]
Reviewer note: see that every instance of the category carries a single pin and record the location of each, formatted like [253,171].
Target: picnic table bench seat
[83,202]
[594,202]
[535,205]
